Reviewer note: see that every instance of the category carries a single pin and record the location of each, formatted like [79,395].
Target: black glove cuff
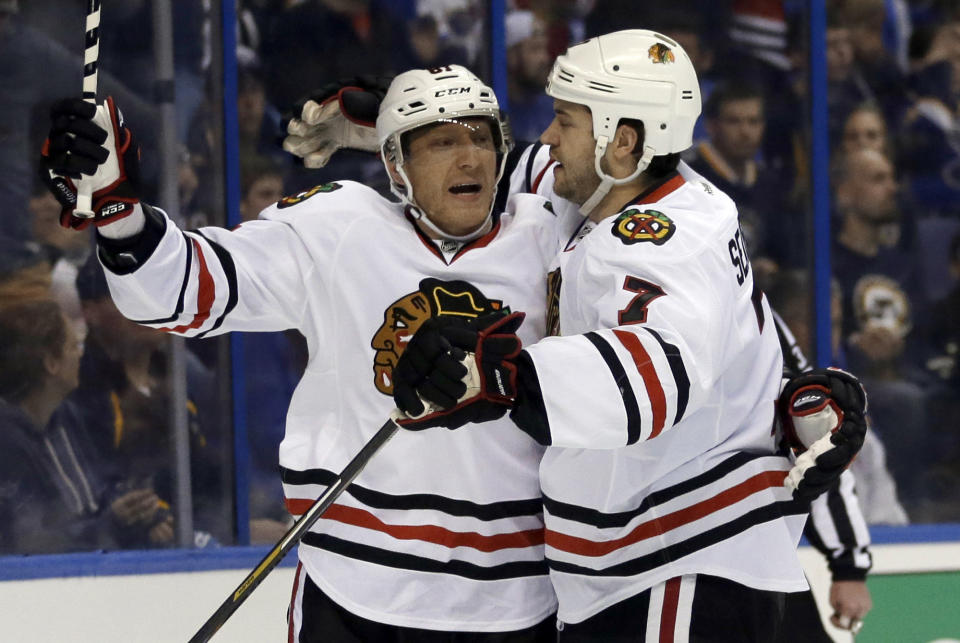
[529,412]
[124,256]
[848,573]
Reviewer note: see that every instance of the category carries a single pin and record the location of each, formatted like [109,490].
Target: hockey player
[442,534]
[665,503]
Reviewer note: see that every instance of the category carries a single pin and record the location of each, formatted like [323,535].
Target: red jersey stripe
[660,526]
[206,294]
[293,600]
[668,615]
[658,400]
[663,190]
[536,181]
[426,533]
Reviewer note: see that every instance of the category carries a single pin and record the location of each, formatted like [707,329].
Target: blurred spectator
[460,23]
[730,159]
[424,48]
[846,86]
[945,325]
[36,70]
[877,64]
[66,251]
[865,191]
[880,308]
[929,139]
[124,398]
[24,271]
[865,129]
[261,185]
[324,40]
[257,120]
[55,493]
[528,65]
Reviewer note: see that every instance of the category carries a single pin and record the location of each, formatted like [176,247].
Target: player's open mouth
[466,188]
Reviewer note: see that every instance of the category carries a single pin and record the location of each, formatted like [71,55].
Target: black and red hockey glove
[88,144]
[454,372]
[338,115]
[823,414]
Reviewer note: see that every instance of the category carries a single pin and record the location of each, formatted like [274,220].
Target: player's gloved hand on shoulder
[454,371]
[91,145]
[338,115]
[823,413]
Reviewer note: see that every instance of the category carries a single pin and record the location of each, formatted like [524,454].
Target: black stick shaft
[296,532]
[91,60]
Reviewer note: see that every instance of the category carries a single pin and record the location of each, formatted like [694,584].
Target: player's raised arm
[187,282]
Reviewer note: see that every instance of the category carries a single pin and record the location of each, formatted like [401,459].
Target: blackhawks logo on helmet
[300,197]
[660,53]
[402,318]
[634,226]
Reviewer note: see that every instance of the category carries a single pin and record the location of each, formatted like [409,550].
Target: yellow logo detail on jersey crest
[660,53]
[634,226]
[402,318]
[287,201]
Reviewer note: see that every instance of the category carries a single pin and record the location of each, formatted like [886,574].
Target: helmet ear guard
[632,74]
[422,97]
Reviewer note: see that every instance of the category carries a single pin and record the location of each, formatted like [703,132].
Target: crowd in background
[84,429]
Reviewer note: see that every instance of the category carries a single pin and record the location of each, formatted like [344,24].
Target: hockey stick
[296,532]
[91,57]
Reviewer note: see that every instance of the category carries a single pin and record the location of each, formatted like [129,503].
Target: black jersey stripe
[623,384]
[389,558]
[534,150]
[680,377]
[838,513]
[230,273]
[704,539]
[601,520]
[418,501]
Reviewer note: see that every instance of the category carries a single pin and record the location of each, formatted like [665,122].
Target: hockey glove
[454,372]
[823,414]
[338,115]
[88,144]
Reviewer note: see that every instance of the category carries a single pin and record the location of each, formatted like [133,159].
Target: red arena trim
[206,294]
[660,526]
[426,533]
[658,400]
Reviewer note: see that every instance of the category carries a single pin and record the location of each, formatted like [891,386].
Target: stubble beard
[576,187]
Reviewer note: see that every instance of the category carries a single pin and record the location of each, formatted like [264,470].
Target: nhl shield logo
[634,226]
[660,53]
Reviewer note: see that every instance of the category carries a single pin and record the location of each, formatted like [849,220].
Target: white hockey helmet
[635,74]
[426,96]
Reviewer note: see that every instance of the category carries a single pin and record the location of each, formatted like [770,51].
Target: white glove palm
[324,127]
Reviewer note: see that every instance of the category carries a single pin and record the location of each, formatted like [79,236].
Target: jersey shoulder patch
[643,225]
[300,197]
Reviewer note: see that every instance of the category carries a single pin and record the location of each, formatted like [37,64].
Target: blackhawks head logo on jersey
[403,317]
[634,226]
[300,197]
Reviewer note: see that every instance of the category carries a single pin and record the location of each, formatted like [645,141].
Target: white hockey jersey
[443,529]
[659,401]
